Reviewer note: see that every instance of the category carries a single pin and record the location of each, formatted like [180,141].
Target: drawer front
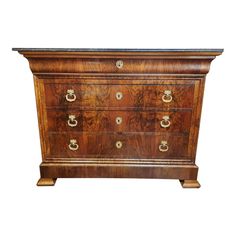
[118,145]
[118,121]
[131,96]
[99,65]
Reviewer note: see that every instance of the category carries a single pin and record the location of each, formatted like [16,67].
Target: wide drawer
[118,121]
[112,65]
[118,145]
[125,95]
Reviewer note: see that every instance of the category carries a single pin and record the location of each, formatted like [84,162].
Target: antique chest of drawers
[119,113]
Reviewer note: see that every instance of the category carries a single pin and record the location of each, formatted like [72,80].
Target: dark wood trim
[118,49]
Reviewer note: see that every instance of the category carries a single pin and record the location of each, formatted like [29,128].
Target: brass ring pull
[70,96]
[118,120]
[119,64]
[118,144]
[167,97]
[119,95]
[163,147]
[72,122]
[165,123]
[73,146]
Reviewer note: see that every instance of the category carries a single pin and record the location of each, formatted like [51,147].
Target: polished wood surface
[97,65]
[104,145]
[121,113]
[106,121]
[133,96]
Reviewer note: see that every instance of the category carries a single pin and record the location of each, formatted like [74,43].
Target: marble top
[118,49]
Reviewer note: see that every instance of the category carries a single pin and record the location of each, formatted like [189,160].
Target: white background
[116,206]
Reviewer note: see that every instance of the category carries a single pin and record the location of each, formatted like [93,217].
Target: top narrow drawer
[115,65]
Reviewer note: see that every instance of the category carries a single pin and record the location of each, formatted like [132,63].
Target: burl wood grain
[142,80]
[134,96]
[104,145]
[105,121]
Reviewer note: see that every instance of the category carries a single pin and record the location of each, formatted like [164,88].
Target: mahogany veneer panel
[133,145]
[105,121]
[119,113]
[137,96]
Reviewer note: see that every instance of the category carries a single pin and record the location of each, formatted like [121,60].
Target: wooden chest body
[119,113]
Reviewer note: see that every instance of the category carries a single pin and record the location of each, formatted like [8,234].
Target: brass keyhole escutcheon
[119,64]
[118,144]
[118,120]
[119,95]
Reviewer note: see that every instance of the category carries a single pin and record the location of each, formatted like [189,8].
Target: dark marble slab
[118,49]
